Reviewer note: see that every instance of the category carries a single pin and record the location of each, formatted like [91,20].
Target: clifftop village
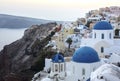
[93,49]
[82,27]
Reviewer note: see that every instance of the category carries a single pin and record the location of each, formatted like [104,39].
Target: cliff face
[20,59]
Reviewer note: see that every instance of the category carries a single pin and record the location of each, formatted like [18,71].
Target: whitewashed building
[102,39]
[84,61]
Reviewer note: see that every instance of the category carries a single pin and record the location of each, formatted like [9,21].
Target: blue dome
[58,58]
[85,55]
[103,25]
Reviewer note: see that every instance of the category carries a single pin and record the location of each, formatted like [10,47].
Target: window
[102,49]
[117,32]
[95,35]
[83,77]
[110,35]
[83,71]
[102,36]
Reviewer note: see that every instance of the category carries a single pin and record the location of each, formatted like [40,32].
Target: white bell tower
[102,36]
[58,68]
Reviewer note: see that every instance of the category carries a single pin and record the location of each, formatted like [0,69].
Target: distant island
[10,21]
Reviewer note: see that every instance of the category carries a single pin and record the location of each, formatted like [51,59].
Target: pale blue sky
[53,9]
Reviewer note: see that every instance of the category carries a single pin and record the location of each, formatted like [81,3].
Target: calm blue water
[7,36]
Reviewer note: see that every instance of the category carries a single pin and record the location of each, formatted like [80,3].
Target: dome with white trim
[103,25]
[58,58]
[85,55]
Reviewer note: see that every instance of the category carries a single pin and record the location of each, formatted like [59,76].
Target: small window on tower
[53,67]
[110,35]
[102,49]
[95,35]
[102,36]
[61,67]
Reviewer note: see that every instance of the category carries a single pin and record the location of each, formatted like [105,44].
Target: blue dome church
[102,37]
[84,61]
[58,67]
[85,55]
[103,25]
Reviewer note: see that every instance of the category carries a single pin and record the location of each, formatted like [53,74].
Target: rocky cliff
[22,58]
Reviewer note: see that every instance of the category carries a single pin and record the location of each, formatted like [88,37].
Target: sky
[63,10]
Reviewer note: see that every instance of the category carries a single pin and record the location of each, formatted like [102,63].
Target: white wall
[78,67]
[117,42]
[47,64]
[114,58]
[106,35]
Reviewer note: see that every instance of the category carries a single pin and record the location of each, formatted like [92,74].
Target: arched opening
[56,68]
[102,49]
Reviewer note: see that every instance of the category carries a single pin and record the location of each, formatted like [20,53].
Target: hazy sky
[53,9]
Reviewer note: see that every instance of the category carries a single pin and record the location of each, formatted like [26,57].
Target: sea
[8,36]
